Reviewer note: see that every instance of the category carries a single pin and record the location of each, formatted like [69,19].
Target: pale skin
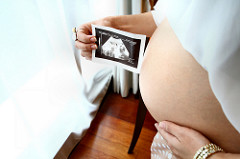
[177,136]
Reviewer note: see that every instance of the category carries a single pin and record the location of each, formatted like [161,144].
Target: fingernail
[162,125]
[93,39]
[94,46]
[156,125]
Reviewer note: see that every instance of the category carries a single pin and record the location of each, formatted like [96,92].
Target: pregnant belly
[175,87]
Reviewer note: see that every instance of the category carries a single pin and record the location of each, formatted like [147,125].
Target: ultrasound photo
[119,48]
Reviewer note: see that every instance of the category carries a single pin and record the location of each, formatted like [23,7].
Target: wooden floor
[111,132]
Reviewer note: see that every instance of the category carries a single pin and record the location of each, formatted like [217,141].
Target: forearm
[139,23]
[222,155]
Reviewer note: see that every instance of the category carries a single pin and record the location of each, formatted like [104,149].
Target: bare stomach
[175,87]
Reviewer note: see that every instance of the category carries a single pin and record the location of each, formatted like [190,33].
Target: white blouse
[210,31]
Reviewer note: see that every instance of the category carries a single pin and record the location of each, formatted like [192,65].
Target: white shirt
[210,31]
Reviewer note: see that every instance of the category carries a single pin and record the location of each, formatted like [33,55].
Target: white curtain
[45,103]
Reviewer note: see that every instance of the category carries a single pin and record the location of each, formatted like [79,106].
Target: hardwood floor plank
[125,109]
[122,108]
[106,146]
[115,123]
[111,131]
[83,151]
[117,133]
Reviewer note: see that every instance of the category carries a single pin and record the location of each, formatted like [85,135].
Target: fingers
[85,47]
[183,141]
[171,139]
[84,34]
[171,128]
[84,38]
[85,42]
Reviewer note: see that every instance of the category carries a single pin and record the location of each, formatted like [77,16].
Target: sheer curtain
[45,103]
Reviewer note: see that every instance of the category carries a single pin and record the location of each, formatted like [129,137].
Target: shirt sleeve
[159,11]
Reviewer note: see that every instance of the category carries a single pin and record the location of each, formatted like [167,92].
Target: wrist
[109,21]
[122,22]
[207,151]
[218,155]
[114,22]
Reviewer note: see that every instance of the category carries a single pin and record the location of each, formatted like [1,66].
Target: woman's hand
[184,142]
[137,23]
[85,40]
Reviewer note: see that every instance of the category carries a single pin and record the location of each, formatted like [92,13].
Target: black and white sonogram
[119,47]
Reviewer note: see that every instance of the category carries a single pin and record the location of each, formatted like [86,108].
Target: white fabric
[52,105]
[45,107]
[45,104]
[210,31]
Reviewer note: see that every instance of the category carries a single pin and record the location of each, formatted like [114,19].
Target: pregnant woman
[190,77]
